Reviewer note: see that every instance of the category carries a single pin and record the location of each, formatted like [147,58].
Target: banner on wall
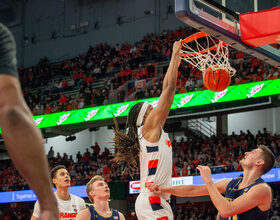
[134,186]
[183,100]
[272,176]
[29,195]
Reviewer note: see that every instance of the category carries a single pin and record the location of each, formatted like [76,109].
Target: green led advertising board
[184,100]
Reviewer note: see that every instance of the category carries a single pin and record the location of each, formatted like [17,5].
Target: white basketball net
[212,54]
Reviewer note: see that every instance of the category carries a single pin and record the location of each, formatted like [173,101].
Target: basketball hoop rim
[197,36]
[194,37]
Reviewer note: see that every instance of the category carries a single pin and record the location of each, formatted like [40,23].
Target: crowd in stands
[195,211]
[115,64]
[132,71]
[220,153]
[47,87]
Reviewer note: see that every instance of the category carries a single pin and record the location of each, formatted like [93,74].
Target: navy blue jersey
[96,216]
[232,192]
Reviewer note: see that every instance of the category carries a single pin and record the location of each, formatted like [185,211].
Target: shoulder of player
[78,198]
[263,186]
[74,196]
[37,203]
[261,189]
[260,192]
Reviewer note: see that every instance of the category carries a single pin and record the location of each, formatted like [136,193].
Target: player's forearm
[185,190]
[220,202]
[170,78]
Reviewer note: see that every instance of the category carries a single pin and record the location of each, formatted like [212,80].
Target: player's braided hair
[126,143]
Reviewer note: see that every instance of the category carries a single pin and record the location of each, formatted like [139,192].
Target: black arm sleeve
[8,60]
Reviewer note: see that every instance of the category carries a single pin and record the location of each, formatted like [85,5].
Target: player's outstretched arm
[258,196]
[187,190]
[160,113]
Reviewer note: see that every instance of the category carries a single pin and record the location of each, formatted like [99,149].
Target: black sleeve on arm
[8,60]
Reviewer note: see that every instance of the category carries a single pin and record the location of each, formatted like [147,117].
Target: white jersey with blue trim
[155,162]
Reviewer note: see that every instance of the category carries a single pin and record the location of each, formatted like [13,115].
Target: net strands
[211,54]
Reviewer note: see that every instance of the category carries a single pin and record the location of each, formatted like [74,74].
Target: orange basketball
[217,80]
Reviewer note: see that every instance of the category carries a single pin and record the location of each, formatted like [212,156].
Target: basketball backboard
[220,19]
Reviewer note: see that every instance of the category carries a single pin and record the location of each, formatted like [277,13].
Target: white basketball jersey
[68,210]
[155,161]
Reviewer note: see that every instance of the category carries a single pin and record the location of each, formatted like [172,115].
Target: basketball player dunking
[147,140]
[246,197]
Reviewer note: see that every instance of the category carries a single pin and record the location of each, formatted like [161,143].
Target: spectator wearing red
[69,106]
[106,169]
[62,99]
[48,109]
[195,161]
[96,149]
[174,171]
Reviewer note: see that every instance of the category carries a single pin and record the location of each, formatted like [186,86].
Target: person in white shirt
[68,205]
[145,140]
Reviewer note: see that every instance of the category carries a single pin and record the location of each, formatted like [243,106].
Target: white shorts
[152,207]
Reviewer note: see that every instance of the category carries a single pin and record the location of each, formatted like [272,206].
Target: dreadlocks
[126,144]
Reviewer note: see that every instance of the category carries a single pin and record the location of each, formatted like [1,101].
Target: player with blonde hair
[99,193]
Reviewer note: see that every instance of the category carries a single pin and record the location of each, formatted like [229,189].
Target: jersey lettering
[67,215]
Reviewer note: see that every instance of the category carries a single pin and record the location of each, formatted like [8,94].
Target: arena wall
[41,18]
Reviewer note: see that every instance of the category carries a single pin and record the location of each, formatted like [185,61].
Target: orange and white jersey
[68,210]
[155,162]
